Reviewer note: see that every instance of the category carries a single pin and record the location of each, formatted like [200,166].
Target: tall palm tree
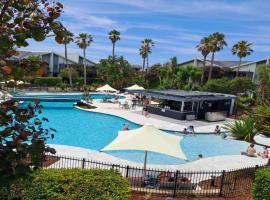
[83,41]
[114,36]
[217,43]
[241,49]
[147,44]
[68,37]
[204,48]
[143,53]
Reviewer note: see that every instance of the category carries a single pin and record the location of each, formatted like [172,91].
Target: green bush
[217,85]
[48,81]
[70,184]
[243,129]
[261,186]
[262,118]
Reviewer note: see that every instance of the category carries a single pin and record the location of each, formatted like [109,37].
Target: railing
[169,182]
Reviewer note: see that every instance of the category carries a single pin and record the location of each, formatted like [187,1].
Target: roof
[182,95]
[217,63]
[229,64]
[72,57]
[252,62]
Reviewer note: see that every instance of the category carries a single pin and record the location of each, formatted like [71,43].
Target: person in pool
[125,127]
[251,151]
[217,129]
[190,130]
[264,153]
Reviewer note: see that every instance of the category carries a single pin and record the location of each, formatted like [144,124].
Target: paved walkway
[216,163]
[160,122]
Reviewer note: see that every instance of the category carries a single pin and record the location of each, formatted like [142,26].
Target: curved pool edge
[216,163]
[140,123]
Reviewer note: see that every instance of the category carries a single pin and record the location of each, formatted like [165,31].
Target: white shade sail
[106,88]
[148,138]
[262,139]
[135,87]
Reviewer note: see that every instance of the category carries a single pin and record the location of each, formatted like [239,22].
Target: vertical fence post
[83,163]
[175,183]
[127,168]
[221,183]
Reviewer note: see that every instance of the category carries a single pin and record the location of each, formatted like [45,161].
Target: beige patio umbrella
[134,87]
[148,138]
[106,88]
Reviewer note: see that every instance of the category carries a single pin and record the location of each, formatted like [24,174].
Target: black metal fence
[169,182]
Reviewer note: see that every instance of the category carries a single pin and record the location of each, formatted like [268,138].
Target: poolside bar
[190,105]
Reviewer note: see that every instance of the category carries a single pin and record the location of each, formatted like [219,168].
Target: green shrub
[70,184]
[261,186]
[48,81]
[243,129]
[241,85]
[262,118]
[217,85]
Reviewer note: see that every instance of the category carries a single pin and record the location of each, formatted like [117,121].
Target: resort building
[252,67]
[190,105]
[56,61]
[247,68]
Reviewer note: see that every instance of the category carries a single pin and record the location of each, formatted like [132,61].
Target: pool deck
[217,163]
[165,123]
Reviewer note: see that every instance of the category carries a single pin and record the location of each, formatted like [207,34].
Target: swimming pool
[94,131]
[63,96]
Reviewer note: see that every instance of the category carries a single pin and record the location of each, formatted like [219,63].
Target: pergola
[191,98]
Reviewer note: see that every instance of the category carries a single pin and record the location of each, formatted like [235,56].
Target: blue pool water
[94,131]
[47,95]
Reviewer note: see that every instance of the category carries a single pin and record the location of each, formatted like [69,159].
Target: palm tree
[241,49]
[68,37]
[143,53]
[147,44]
[217,43]
[114,36]
[204,48]
[83,41]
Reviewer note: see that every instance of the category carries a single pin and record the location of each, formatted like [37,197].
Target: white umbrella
[19,82]
[134,87]
[262,139]
[148,138]
[106,88]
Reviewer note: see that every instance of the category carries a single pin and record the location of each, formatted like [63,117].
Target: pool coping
[214,163]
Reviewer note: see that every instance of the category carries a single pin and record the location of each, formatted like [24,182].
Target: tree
[83,41]
[204,48]
[217,43]
[264,83]
[145,50]
[114,36]
[67,38]
[143,54]
[241,49]
[188,75]
[22,134]
[174,65]
[28,138]
[23,20]
[116,72]
[67,72]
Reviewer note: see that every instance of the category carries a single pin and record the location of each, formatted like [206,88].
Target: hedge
[48,81]
[261,186]
[69,184]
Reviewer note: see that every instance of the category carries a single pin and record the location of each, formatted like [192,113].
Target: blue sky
[176,26]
